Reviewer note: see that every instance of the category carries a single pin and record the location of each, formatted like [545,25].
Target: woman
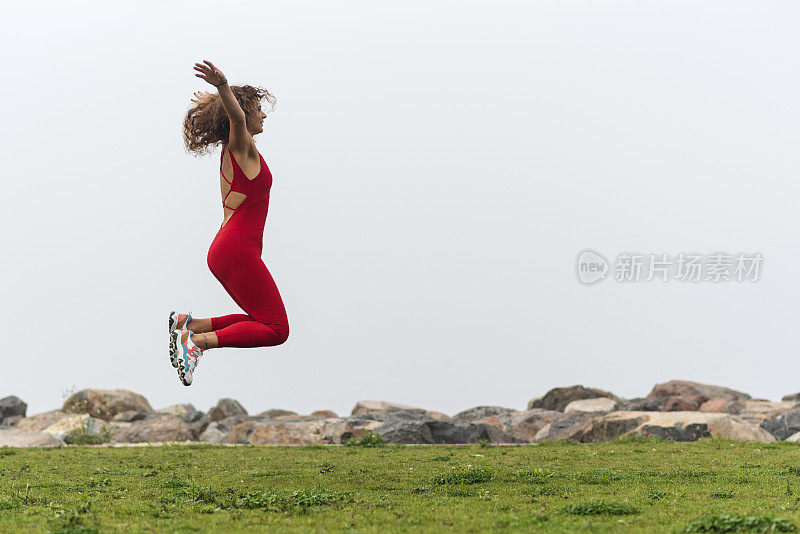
[231,118]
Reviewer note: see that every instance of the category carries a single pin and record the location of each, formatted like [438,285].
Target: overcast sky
[437,168]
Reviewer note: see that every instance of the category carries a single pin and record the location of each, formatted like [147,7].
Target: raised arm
[240,139]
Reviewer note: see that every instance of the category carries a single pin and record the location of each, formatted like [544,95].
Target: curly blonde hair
[206,124]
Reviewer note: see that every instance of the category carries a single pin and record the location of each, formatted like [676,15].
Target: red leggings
[242,273]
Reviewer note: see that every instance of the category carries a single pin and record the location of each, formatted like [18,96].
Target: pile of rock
[677,410]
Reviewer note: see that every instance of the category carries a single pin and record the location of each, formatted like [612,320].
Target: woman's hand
[200,95]
[210,73]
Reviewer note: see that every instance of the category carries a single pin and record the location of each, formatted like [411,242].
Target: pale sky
[437,168]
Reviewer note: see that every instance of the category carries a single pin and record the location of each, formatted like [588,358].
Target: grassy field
[634,485]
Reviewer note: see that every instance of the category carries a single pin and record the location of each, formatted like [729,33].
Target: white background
[437,168]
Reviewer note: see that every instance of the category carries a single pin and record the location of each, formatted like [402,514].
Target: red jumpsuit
[235,260]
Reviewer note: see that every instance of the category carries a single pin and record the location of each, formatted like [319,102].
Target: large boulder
[156,427]
[105,404]
[558,398]
[40,421]
[758,410]
[791,397]
[220,431]
[524,426]
[433,431]
[571,426]
[373,407]
[64,427]
[275,413]
[477,413]
[324,413]
[187,412]
[694,392]
[784,425]
[300,431]
[597,405]
[12,406]
[13,437]
[226,408]
[676,426]
[641,404]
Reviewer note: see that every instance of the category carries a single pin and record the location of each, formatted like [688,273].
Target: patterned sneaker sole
[173,343]
[182,376]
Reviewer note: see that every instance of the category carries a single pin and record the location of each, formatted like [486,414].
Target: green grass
[632,485]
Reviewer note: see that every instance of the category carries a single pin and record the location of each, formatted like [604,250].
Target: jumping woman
[231,118]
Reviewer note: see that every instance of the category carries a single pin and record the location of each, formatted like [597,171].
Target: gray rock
[277,412]
[220,431]
[324,413]
[697,392]
[599,404]
[11,421]
[12,406]
[105,404]
[571,426]
[641,404]
[525,425]
[187,412]
[13,437]
[676,426]
[784,425]
[433,431]
[477,413]
[40,421]
[129,416]
[226,408]
[156,427]
[558,398]
[374,407]
[300,430]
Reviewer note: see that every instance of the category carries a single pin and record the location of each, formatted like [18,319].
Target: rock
[721,405]
[676,426]
[434,431]
[599,404]
[640,404]
[524,426]
[13,437]
[105,404]
[477,413]
[324,413]
[226,408]
[794,437]
[784,425]
[758,410]
[699,393]
[156,427]
[220,431]
[372,407]
[678,403]
[300,431]
[41,421]
[275,413]
[400,431]
[571,426]
[791,397]
[558,398]
[10,421]
[12,406]
[187,412]
[62,428]
[129,416]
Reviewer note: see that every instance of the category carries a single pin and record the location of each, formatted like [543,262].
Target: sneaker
[188,356]
[177,321]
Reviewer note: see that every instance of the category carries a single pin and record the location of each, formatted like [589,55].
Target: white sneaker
[188,356]
[177,321]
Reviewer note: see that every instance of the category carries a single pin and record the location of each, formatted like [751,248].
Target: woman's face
[258,121]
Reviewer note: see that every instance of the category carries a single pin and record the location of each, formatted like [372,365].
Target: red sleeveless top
[251,215]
